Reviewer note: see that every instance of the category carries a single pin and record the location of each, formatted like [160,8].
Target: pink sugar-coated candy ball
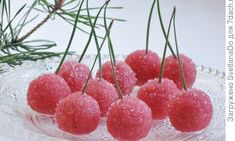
[125,76]
[75,74]
[129,119]
[158,95]
[172,70]
[191,111]
[103,92]
[45,92]
[145,65]
[78,114]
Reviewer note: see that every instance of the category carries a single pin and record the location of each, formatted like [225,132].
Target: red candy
[145,65]
[129,119]
[157,96]
[172,71]
[78,114]
[191,111]
[103,92]
[75,74]
[125,76]
[45,91]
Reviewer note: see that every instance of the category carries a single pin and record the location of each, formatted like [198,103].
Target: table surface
[200,27]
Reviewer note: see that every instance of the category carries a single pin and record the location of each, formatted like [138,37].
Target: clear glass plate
[19,121]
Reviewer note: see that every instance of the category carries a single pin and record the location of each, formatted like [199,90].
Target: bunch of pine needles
[16,46]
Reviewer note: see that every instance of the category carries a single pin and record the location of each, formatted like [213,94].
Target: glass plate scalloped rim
[19,121]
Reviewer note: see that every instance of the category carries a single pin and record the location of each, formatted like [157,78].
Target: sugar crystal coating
[45,92]
[125,76]
[191,111]
[172,71]
[145,65]
[129,119]
[103,92]
[78,114]
[158,95]
[75,74]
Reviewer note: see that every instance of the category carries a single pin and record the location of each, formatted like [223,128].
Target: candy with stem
[145,63]
[85,115]
[157,93]
[101,90]
[98,53]
[179,59]
[71,37]
[74,73]
[174,72]
[47,90]
[128,118]
[192,109]
[117,72]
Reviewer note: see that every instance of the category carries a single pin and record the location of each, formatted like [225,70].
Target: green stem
[108,34]
[148,26]
[95,36]
[165,47]
[111,55]
[178,56]
[91,33]
[71,37]
[163,29]
[93,65]
[115,74]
